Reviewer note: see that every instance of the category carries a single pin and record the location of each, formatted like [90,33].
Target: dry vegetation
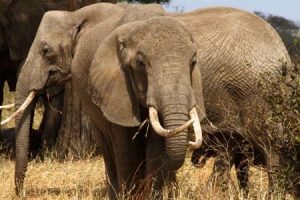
[85,179]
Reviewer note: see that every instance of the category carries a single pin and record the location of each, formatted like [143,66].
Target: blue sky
[287,8]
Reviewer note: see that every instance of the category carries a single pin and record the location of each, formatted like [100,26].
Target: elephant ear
[24,21]
[109,85]
[198,90]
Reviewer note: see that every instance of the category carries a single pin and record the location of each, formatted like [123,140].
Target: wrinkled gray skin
[51,54]
[235,48]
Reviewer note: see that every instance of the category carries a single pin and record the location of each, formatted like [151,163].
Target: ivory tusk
[197,130]
[160,130]
[9,106]
[21,109]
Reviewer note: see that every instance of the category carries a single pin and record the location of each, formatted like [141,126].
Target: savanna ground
[85,179]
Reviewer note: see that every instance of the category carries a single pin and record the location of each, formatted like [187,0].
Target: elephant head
[151,64]
[48,64]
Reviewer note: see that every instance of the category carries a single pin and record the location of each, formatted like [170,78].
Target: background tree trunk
[73,5]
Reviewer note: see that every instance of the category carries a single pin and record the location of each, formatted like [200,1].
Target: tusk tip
[2,123]
[9,106]
[195,145]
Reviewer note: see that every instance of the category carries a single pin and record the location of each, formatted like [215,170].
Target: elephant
[117,107]
[232,60]
[19,21]
[8,71]
[236,49]
[232,147]
[57,40]
[230,97]
[7,142]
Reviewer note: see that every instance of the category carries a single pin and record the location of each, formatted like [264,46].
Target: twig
[146,135]
[52,107]
[140,128]
[210,123]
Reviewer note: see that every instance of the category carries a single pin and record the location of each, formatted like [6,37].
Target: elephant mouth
[57,76]
[194,121]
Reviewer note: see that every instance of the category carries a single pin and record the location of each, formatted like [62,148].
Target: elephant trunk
[173,116]
[175,104]
[22,145]
[23,123]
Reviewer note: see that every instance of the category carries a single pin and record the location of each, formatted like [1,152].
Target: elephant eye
[47,51]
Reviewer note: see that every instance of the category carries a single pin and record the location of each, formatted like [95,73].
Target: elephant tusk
[9,106]
[21,109]
[197,130]
[160,130]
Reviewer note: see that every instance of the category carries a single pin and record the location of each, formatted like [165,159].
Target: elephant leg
[241,162]
[154,167]
[1,96]
[110,166]
[220,176]
[272,164]
[129,158]
[51,120]
[12,76]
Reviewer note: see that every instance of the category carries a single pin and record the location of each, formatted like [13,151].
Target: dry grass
[85,179]
[54,180]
